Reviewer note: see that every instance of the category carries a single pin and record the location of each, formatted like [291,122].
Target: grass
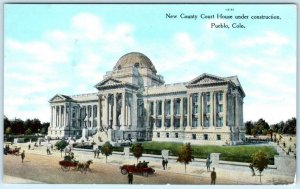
[228,153]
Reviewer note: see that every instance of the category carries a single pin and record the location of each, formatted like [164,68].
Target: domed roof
[134,59]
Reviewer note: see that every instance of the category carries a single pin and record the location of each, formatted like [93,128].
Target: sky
[66,49]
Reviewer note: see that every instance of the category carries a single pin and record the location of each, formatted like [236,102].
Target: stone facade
[134,102]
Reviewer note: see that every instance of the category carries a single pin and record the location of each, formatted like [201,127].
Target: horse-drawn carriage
[14,151]
[70,162]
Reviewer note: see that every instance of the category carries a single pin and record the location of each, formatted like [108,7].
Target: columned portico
[132,100]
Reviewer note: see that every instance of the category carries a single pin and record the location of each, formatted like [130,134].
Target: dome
[134,59]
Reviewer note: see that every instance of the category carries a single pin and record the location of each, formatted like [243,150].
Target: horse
[84,167]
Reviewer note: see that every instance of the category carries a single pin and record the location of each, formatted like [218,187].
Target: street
[46,169]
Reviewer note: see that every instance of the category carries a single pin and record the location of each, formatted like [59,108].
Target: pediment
[108,82]
[205,79]
[59,97]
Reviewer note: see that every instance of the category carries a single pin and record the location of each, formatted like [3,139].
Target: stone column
[181,113]
[123,110]
[172,113]
[59,117]
[225,108]
[199,109]
[51,118]
[211,109]
[189,111]
[163,113]
[236,111]
[99,118]
[154,113]
[107,110]
[65,114]
[202,109]
[115,112]
[215,109]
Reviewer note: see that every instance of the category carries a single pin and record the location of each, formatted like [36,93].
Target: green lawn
[228,153]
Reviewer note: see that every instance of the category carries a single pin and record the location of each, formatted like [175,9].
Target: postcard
[150,94]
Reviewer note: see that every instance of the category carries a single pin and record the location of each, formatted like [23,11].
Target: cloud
[268,38]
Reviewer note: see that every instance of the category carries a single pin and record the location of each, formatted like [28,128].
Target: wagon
[66,165]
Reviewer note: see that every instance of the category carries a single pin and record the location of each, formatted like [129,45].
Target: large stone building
[133,101]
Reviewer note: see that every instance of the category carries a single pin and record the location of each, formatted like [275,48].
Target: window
[208,109]
[176,135]
[167,122]
[194,122]
[220,122]
[177,106]
[206,122]
[176,122]
[220,108]
[137,65]
[94,111]
[95,123]
[220,96]
[195,103]
[89,110]
[184,106]
[159,107]
[158,135]
[194,136]
[151,122]
[205,136]
[185,122]
[218,137]
[151,108]
[168,107]
[158,123]
[167,135]
[207,97]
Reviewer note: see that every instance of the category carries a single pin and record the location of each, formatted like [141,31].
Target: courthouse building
[133,102]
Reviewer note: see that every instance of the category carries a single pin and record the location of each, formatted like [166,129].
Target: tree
[254,132]
[249,126]
[17,126]
[137,150]
[260,125]
[6,123]
[28,131]
[45,126]
[107,149]
[260,161]
[8,131]
[61,145]
[185,155]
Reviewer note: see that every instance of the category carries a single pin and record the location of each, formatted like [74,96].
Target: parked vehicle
[137,169]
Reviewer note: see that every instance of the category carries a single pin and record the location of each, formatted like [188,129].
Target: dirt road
[46,169]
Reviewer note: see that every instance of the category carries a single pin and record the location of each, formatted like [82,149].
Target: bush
[228,153]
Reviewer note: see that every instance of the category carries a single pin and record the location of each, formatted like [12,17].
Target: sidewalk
[223,172]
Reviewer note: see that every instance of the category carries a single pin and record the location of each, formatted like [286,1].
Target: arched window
[137,65]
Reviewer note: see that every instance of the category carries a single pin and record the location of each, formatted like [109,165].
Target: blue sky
[67,49]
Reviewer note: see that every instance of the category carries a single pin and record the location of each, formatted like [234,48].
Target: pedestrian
[51,147]
[213,176]
[29,147]
[166,163]
[252,169]
[23,155]
[98,153]
[163,163]
[130,177]
[95,153]
[208,162]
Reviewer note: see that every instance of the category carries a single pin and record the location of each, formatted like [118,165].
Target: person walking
[98,152]
[208,162]
[23,155]
[163,163]
[252,169]
[95,153]
[29,146]
[166,163]
[213,176]
[130,177]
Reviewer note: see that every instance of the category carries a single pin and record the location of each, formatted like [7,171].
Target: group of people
[213,174]
[142,164]
[164,163]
